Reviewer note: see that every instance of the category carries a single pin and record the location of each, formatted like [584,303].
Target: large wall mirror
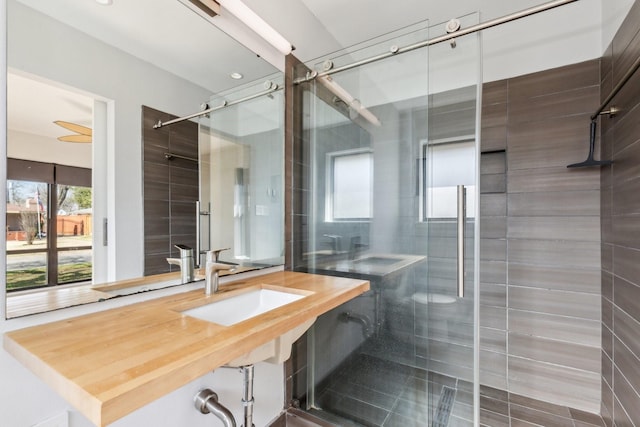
[80,75]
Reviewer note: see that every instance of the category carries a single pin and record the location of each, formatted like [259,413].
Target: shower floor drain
[443,410]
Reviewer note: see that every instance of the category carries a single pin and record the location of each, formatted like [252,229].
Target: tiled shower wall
[621,231]
[170,189]
[540,241]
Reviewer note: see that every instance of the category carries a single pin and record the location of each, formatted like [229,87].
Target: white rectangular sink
[241,307]
[246,305]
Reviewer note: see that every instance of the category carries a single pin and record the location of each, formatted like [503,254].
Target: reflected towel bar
[171,156]
[269,86]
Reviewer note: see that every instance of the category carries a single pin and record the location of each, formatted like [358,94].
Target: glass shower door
[391,149]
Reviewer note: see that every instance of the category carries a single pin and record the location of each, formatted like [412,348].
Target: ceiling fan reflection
[83,134]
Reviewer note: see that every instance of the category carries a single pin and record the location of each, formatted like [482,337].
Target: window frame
[423,188]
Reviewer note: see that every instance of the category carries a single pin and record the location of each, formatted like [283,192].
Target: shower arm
[623,81]
[311,75]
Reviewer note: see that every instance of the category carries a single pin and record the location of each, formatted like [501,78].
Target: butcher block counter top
[108,364]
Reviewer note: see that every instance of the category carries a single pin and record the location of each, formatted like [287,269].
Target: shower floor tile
[373,392]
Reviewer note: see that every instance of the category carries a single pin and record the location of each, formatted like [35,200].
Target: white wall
[62,54]
[565,35]
[613,13]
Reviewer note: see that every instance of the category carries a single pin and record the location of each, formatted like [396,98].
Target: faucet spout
[213,275]
[206,401]
[175,261]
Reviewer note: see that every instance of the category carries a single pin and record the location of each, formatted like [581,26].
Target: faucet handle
[214,254]
[184,250]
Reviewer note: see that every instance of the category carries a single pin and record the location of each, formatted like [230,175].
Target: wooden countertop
[108,364]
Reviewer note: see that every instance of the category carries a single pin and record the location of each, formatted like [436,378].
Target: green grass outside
[32,277]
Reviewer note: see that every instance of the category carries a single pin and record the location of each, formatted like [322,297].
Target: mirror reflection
[241,176]
[78,205]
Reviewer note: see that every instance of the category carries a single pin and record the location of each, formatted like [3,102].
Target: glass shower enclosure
[389,161]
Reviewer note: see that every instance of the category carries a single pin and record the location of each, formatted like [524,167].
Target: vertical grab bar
[197,260]
[462,214]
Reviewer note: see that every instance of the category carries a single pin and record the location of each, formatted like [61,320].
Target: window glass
[49,225]
[27,243]
[74,226]
[448,165]
[351,186]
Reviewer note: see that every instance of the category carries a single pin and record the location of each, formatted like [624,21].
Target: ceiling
[30,107]
[169,35]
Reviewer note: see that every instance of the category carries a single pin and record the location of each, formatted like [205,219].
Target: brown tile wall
[295,220]
[620,210]
[540,287]
[295,164]
[170,189]
[493,254]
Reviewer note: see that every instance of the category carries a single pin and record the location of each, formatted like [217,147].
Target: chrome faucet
[212,271]
[185,262]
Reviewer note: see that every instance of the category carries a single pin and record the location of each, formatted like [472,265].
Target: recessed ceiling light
[105,2]
[236,76]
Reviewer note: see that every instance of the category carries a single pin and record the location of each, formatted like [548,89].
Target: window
[447,164]
[349,185]
[49,224]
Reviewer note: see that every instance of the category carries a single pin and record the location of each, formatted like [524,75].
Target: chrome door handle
[462,216]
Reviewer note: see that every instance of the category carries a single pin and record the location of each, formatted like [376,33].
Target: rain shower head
[592,145]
